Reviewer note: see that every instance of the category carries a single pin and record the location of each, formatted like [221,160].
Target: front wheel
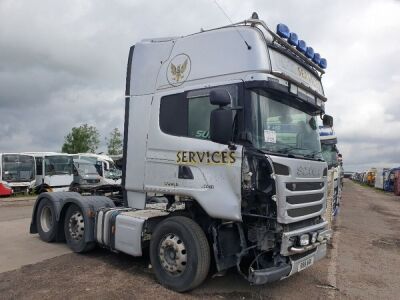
[74,230]
[179,254]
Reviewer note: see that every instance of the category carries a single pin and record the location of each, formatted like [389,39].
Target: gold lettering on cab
[208,158]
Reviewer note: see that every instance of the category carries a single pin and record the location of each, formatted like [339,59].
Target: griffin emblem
[177,71]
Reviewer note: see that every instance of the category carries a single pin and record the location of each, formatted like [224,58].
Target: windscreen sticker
[208,158]
[270,136]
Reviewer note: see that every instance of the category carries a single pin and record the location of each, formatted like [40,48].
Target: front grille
[301,199]
[302,224]
[19,189]
[303,211]
[304,186]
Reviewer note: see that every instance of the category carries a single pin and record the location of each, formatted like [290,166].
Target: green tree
[81,139]
[114,142]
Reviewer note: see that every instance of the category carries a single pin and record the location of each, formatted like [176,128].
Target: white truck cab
[330,153]
[105,166]
[223,125]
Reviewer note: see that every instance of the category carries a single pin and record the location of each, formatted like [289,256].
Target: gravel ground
[362,263]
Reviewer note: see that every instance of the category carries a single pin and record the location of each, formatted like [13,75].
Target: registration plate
[305,264]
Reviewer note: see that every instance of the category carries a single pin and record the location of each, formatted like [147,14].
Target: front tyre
[74,230]
[179,254]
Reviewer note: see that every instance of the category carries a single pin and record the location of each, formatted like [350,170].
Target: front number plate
[305,264]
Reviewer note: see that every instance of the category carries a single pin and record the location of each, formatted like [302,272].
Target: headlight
[304,240]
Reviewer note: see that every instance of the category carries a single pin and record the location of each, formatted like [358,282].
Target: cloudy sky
[63,63]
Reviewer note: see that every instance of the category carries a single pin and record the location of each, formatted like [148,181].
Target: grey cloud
[63,63]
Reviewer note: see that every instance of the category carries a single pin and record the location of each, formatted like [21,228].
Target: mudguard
[61,200]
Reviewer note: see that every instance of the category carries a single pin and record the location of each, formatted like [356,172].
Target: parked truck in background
[17,173]
[380,177]
[389,179]
[371,174]
[105,166]
[198,133]
[330,153]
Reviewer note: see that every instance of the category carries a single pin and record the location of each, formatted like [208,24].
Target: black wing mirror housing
[327,120]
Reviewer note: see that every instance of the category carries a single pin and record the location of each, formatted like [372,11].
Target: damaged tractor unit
[222,160]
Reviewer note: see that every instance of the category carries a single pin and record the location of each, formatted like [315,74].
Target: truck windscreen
[329,153]
[280,128]
[18,168]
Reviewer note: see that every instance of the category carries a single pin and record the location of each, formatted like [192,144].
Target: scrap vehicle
[380,176]
[330,154]
[396,185]
[389,177]
[85,176]
[370,176]
[105,166]
[17,173]
[87,181]
[5,189]
[53,171]
[201,130]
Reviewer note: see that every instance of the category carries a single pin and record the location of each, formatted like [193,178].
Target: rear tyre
[179,253]
[74,230]
[46,222]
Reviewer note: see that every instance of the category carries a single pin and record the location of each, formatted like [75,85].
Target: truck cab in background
[17,173]
[223,124]
[105,166]
[330,154]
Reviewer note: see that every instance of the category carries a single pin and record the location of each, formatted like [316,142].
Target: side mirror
[327,120]
[220,97]
[221,126]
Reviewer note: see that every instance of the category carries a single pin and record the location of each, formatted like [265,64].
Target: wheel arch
[62,200]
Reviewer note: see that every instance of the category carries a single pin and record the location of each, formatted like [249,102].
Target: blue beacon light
[302,46]
[310,52]
[293,39]
[323,63]
[283,31]
[316,58]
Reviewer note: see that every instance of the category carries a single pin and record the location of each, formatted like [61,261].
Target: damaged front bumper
[299,257]
[285,270]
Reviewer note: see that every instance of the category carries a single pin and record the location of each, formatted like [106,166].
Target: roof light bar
[283,31]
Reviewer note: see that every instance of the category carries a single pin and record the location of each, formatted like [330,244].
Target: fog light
[314,237]
[320,237]
[304,240]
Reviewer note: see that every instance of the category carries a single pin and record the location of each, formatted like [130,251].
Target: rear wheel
[74,230]
[179,254]
[46,222]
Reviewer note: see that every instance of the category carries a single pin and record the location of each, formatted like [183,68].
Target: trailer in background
[17,172]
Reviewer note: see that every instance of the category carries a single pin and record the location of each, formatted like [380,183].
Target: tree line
[86,138]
